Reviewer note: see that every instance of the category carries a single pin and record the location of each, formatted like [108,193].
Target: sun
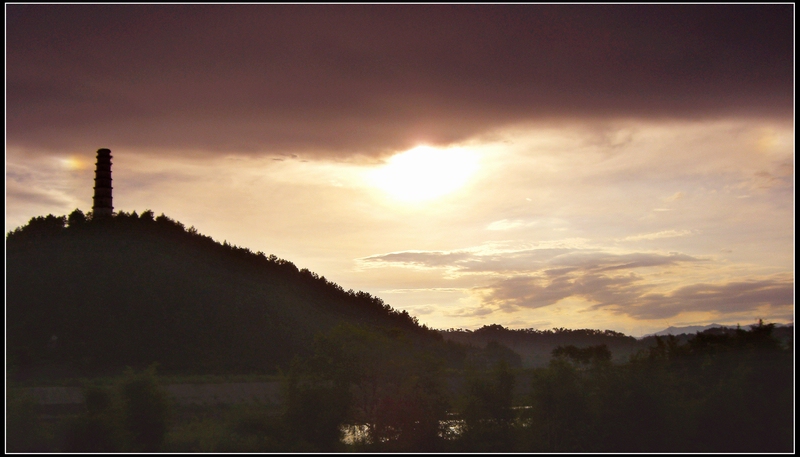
[425,173]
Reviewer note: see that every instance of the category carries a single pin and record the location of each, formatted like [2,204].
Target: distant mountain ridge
[672,330]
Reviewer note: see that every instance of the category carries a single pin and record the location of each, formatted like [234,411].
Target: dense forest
[137,291]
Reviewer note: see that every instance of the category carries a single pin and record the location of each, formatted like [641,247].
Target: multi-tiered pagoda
[102,185]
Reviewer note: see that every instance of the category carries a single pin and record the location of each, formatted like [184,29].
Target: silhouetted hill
[132,290]
[672,330]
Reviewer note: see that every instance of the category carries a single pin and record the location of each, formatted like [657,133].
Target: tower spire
[102,185]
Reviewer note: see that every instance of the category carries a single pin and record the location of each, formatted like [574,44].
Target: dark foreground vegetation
[376,391]
[93,297]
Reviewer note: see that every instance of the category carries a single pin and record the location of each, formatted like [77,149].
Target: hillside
[132,290]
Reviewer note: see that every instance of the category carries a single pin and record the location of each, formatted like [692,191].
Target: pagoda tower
[102,185]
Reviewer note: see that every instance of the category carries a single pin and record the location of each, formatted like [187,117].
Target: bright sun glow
[424,173]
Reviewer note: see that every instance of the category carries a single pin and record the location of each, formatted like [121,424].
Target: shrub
[145,410]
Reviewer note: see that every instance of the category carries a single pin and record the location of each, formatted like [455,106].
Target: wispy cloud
[477,311]
[622,283]
[417,259]
[656,235]
[418,290]
[422,310]
[674,197]
[29,195]
[524,260]
[506,224]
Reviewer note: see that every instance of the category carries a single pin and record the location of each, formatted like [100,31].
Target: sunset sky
[535,166]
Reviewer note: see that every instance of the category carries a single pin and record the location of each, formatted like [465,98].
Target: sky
[621,167]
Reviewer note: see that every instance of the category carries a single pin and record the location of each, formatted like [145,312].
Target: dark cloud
[631,295]
[535,292]
[356,80]
[730,297]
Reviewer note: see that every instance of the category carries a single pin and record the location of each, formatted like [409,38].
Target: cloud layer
[354,80]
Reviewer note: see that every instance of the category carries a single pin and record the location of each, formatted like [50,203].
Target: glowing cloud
[74,163]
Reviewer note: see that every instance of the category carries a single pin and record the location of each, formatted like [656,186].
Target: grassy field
[211,427]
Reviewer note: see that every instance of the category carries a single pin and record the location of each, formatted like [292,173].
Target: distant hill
[680,330]
[136,289]
[699,328]
[535,347]
[782,333]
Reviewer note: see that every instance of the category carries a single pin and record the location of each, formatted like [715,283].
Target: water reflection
[355,434]
[450,429]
